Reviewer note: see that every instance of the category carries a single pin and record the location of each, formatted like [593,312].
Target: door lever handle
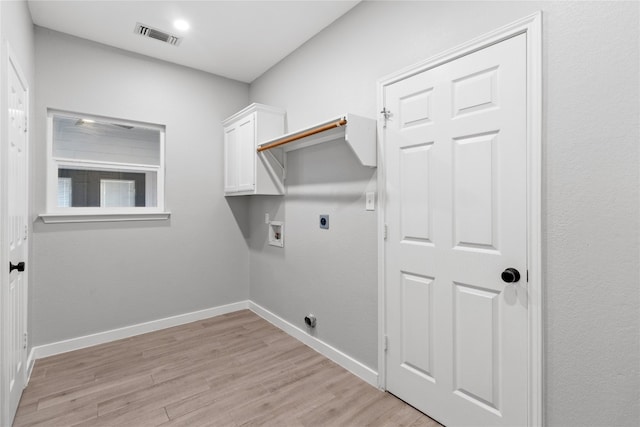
[19,266]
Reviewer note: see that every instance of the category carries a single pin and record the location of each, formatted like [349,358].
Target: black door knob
[511,275]
[19,266]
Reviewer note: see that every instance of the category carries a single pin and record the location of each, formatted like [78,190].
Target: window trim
[104,217]
[55,214]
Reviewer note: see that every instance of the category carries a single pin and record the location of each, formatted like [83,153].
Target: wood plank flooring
[231,370]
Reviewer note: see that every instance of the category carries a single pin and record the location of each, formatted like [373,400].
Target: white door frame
[532,27]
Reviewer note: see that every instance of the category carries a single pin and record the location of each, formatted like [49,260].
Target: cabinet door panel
[246,149]
[230,159]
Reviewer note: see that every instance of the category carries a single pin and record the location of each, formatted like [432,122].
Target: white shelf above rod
[358,132]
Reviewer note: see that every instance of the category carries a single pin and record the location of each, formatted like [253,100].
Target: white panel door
[14,328]
[456,210]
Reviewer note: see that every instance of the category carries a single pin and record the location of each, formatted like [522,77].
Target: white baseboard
[347,362]
[30,361]
[130,331]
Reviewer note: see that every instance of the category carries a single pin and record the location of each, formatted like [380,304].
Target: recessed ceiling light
[181,24]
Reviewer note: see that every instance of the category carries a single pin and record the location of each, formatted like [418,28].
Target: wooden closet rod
[303,134]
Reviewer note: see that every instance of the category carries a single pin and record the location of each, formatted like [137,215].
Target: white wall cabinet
[245,171]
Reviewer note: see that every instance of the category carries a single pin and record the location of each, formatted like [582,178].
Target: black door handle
[19,266]
[511,275]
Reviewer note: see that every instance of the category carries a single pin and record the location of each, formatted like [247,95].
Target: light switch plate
[370,201]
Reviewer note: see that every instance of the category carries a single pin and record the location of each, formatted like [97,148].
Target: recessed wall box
[276,233]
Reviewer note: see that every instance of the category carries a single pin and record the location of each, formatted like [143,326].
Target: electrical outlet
[324,221]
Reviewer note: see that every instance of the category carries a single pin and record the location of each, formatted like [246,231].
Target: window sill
[58,218]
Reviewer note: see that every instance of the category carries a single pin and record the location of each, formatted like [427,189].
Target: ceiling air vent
[146,31]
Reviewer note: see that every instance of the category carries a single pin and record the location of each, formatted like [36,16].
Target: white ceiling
[235,39]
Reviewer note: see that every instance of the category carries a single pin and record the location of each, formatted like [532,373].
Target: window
[103,169]
[117,193]
[64,192]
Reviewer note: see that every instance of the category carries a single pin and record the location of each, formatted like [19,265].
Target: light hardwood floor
[231,370]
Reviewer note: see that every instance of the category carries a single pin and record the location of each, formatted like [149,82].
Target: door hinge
[385,232]
[386,343]
[24,344]
[25,124]
[527,276]
[26,231]
[386,114]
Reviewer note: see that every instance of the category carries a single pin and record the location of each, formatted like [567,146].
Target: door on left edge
[15,304]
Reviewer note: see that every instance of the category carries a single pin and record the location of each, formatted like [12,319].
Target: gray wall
[90,278]
[330,273]
[590,189]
